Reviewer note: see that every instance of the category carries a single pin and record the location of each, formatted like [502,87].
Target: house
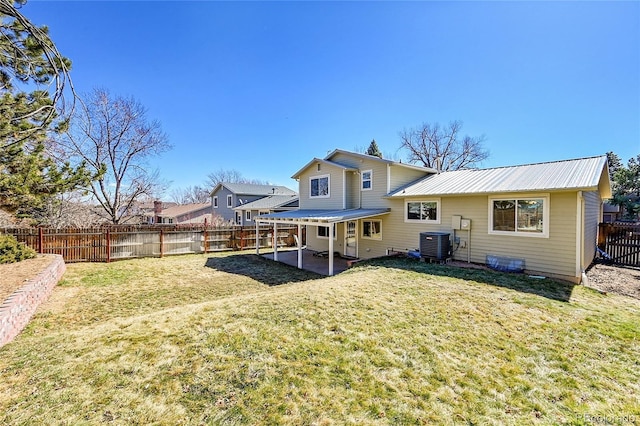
[226,196]
[265,205]
[544,215]
[184,213]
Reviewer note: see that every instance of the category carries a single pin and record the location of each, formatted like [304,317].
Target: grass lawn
[236,339]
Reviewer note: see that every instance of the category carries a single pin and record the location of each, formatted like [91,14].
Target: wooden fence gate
[621,242]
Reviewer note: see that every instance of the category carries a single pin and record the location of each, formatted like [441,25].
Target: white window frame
[363,180]
[229,201]
[515,233]
[247,215]
[371,221]
[215,201]
[432,200]
[322,237]
[312,178]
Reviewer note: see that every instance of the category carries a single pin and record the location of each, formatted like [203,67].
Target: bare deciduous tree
[191,195]
[443,148]
[114,138]
[229,176]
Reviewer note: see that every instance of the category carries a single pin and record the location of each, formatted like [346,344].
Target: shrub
[13,251]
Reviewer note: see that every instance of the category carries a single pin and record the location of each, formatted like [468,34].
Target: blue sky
[264,87]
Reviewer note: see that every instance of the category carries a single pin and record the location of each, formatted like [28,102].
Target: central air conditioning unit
[434,245]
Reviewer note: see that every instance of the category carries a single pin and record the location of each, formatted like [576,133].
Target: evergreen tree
[626,185]
[28,60]
[374,150]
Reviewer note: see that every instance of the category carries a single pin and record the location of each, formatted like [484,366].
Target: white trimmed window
[423,211]
[372,229]
[319,186]
[366,180]
[247,215]
[229,200]
[215,202]
[522,216]
[323,232]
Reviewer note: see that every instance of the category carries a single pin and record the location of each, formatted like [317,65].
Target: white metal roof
[578,174]
[269,202]
[305,217]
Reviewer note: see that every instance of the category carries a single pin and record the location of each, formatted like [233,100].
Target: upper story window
[215,202]
[367,180]
[319,186]
[525,216]
[422,211]
[229,200]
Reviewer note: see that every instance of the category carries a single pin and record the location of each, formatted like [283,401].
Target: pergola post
[257,238]
[299,246]
[330,249]
[275,241]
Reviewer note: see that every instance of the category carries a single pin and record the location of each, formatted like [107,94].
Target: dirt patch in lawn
[15,275]
[615,279]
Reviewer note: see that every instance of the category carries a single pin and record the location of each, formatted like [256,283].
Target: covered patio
[310,261]
[314,218]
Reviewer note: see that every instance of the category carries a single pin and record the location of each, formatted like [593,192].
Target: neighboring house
[144,212]
[265,205]
[611,213]
[545,214]
[226,196]
[184,213]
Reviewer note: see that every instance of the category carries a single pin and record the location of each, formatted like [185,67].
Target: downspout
[344,189]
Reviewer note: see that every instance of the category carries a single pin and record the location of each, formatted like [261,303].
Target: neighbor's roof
[578,174]
[270,202]
[179,210]
[254,189]
[320,216]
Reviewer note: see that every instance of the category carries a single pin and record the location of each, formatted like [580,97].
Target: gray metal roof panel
[324,216]
[583,173]
[268,202]
[255,189]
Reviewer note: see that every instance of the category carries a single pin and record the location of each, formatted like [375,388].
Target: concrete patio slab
[319,265]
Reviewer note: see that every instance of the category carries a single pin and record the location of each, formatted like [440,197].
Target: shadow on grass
[549,288]
[260,269]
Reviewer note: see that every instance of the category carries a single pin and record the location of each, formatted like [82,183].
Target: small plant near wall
[12,251]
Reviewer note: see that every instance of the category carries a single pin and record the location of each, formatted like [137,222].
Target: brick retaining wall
[17,309]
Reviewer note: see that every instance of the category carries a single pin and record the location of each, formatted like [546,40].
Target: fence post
[108,245]
[40,240]
[161,242]
[205,236]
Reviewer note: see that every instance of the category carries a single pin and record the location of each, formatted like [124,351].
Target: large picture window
[422,211]
[519,216]
[372,229]
[319,186]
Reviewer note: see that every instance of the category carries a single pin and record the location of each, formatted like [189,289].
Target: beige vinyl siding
[322,244]
[401,176]
[335,199]
[592,217]
[553,256]
[373,198]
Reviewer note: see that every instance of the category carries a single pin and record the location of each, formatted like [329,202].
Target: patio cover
[314,218]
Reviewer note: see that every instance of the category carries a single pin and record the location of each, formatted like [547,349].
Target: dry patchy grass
[172,341]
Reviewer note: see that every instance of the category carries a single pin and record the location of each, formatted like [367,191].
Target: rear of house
[543,215]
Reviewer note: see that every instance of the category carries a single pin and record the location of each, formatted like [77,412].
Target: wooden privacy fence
[621,242]
[125,242]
